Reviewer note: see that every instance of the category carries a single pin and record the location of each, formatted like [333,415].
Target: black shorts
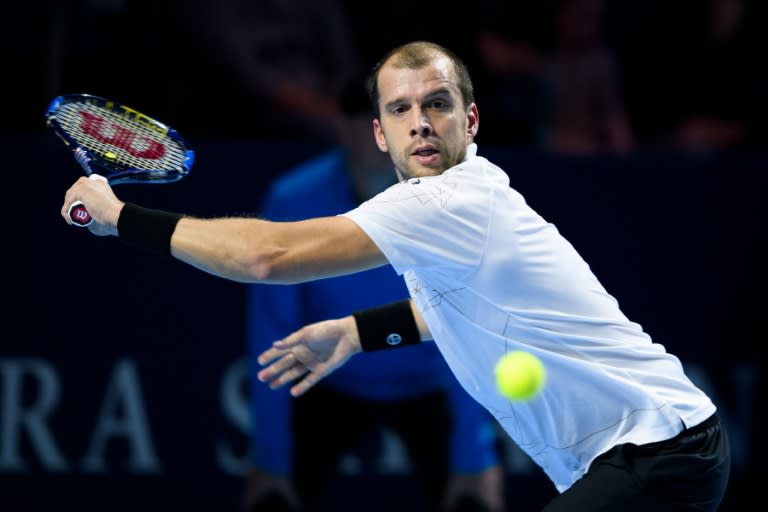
[688,472]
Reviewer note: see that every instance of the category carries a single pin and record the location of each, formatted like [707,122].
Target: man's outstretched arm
[236,248]
[316,350]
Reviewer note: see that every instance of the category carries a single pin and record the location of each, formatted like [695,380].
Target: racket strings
[121,140]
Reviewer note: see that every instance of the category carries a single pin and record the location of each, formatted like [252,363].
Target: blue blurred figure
[450,440]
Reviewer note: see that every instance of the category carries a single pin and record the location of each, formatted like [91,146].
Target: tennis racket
[118,144]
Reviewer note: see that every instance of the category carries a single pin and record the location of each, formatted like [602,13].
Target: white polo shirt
[489,276]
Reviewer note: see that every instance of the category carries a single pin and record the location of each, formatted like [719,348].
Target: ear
[473,122]
[378,134]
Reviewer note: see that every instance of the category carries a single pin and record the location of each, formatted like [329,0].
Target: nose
[422,126]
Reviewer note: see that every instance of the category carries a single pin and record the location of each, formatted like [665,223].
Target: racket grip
[77,211]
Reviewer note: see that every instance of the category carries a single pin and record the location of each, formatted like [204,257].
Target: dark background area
[678,236]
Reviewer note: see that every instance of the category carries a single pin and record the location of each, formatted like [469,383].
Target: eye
[398,109]
[439,104]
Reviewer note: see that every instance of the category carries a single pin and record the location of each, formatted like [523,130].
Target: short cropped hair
[416,55]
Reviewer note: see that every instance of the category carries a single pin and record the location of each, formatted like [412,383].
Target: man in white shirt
[618,426]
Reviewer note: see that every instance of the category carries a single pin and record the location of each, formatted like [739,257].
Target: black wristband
[388,326]
[147,228]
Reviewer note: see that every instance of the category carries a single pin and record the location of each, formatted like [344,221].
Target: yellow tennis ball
[520,375]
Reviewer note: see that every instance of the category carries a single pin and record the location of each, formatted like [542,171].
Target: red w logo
[120,137]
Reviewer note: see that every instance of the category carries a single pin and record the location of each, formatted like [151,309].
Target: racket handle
[77,212]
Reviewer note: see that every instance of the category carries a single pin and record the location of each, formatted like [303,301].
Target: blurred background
[636,126]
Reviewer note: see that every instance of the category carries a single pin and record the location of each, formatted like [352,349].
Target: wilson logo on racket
[110,133]
[118,142]
[80,214]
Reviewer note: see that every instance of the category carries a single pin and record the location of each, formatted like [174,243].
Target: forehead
[399,82]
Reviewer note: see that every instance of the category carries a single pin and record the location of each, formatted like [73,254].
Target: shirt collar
[471,151]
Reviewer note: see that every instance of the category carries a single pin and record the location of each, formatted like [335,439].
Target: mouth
[426,154]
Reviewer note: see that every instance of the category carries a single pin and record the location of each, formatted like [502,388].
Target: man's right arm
[255,250]
[242,249]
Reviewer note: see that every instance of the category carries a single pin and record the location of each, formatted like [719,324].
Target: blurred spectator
[510,43]
[588,113]
[556,79]
[449,439]
[713,81]
[291,56]
[696,82]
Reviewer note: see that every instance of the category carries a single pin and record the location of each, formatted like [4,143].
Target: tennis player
[618,426]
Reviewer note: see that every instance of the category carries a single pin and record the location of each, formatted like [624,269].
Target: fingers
[281,370]
[271,354]
[279,348]
[306,383]
[279,359]
[97,197]
[289,375]
[306,355]
[70,197]
[283,367]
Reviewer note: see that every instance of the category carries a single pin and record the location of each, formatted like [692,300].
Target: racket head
[118,142]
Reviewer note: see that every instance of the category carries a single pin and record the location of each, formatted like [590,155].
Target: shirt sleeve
[438,221]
